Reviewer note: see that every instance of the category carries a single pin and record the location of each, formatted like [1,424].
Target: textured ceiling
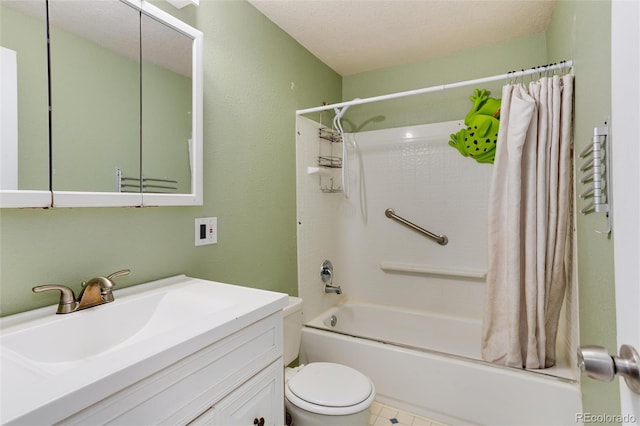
[353,36]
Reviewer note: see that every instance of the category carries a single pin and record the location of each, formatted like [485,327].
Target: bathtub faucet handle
[326,272]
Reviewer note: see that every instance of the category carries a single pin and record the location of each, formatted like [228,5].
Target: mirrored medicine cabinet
[109,115]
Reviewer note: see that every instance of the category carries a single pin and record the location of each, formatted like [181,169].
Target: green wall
[582,31]
[435,107]
[255,77]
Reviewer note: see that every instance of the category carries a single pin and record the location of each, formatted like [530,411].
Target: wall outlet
[206,230]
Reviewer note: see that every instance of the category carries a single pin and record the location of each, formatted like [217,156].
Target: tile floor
[385,415]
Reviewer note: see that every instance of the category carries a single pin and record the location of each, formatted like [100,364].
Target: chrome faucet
[326,274]
[328,288]
[96,291]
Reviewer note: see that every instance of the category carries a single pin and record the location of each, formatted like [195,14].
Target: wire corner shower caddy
[327,160]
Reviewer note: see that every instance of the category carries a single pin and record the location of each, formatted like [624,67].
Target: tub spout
[332,289]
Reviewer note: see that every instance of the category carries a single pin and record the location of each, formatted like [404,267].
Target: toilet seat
[330,389]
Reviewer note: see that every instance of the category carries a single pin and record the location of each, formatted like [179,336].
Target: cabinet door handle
[258,422]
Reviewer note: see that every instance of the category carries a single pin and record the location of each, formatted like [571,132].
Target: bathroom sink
[49,360]
[90,332]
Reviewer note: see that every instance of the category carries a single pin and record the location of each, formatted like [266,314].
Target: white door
[625,143]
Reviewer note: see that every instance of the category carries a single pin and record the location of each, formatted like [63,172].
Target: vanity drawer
[184,390]
[259,401]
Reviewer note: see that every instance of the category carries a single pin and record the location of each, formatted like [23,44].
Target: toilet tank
[292,329]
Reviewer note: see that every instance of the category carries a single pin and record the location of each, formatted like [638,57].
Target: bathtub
[430,364]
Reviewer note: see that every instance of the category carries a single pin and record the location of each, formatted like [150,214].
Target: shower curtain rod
[509,75]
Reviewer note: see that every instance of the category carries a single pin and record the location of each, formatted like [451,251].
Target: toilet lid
[330,385]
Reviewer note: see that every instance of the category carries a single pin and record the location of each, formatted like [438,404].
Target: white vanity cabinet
[173,351]
[255,402]
[230,382]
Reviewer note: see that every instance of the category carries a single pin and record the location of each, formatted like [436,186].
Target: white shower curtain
[529,224]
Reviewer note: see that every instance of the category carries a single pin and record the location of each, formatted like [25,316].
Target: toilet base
[302,417]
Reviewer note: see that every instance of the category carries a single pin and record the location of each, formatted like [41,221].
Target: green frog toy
[479,139]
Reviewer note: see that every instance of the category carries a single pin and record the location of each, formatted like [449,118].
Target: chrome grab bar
[440,239]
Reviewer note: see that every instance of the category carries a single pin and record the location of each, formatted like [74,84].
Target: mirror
[24,117]
[166,108]
[126,97]
[95,93]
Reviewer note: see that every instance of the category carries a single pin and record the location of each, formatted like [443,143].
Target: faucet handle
[106,284]
[118,274]
[326,272]
[67,301]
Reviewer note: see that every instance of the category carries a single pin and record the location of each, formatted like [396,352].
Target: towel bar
[144,184]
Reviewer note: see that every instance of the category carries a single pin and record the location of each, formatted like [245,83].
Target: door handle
[595,362]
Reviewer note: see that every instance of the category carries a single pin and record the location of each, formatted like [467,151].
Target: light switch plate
[206,230]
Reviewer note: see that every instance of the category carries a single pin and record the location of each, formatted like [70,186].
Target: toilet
[321,393]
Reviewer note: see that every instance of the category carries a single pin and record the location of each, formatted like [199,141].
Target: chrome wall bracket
[596,175]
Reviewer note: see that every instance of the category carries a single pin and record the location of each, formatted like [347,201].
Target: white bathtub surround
[451,335]
[409,328]
[429,364]
[529,224]
[415,172]
[405,278]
